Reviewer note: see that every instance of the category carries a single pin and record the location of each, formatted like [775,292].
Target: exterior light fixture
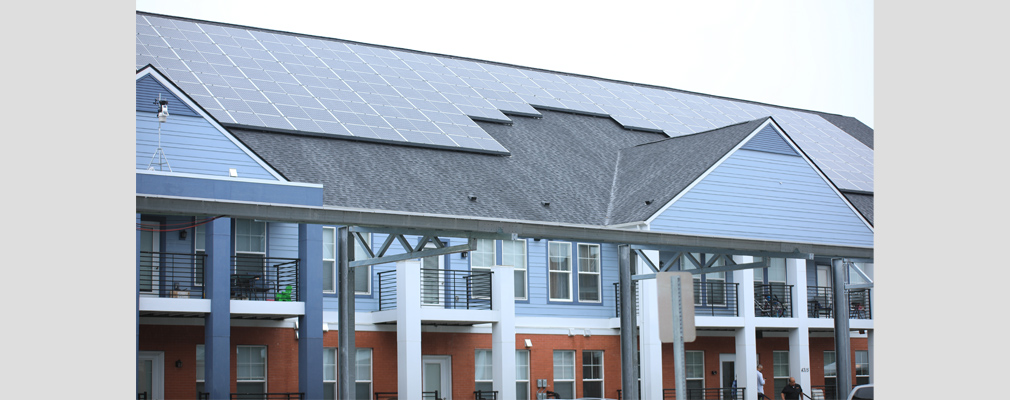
[178,363]
[462,255]
[529,343]
[183,234]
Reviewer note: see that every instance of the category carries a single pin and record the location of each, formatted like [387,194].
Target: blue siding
[148,90]
[192,145]
[769,140]
[761,195]
[228,189]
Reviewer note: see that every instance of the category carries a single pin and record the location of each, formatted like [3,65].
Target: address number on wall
[804,369]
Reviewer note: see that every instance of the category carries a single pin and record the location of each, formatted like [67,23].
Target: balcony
[258,396]
[432,395]
[180,275]
[821,305]
[773,300]
[442,288]
[710,299]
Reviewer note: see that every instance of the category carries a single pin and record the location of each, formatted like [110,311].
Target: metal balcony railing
[716,299]
[432,395]
[181,275]
[773,300]
[171,274]
[827,392]
[710,298]
[264,278]
[701,394]
[485,395]
[461,290]
[821,305]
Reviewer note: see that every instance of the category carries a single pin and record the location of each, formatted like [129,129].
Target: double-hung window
[589,273]
[329,259]
[862,367]
[522,375]
[560,270]
[251,376]
[513,253]
[363,373]
[250,254]
[592,373]
[481,261]
[564,373]
[694,368]
[830,372]
[482,371]
[200,370]
[780,369]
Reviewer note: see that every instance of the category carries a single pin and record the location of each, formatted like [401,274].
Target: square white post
[408,328]
[503,332]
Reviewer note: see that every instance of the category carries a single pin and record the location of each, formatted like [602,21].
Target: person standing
[792,391]
[761,383]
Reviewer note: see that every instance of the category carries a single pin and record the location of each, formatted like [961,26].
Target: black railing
[730,393]
[264,278]
[705,394]
[821,305]
[171,274]
[827,392]
[267,396]
[433,395]
[464,290]
[716,299]
[485,395]
[773,300]
[142,396]
[203,396]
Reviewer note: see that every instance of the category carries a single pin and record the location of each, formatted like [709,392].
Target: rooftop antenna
[160,154]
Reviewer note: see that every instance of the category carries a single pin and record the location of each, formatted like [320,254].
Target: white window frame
[331,245]
[238,361]
[263,253]
[327,379]
[513,259]
[361,254]
[780,369]
[601,379]
[487,368]
[359,377]
[487,251]
[522,374]
[560,273]
[201,366]
[598,273]
[866,363]
[570,368]
[694,372]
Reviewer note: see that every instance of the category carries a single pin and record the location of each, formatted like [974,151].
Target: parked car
[862,392]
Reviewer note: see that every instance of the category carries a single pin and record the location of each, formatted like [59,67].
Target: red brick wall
[818,345]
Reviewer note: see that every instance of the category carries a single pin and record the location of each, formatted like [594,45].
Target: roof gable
[770,195]
[190,140]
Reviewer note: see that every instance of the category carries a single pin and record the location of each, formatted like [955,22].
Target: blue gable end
[769,140]
[148,92]
[765,195]
[190,142]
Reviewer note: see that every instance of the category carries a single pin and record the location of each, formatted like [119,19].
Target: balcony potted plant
[284,295]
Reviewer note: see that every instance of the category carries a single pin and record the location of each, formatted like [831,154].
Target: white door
[151,374]
[149,260]
[433,281]
[436,375]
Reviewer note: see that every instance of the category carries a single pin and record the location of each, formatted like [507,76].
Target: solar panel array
[299,83]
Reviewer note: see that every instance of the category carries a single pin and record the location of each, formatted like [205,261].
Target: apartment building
[473,223]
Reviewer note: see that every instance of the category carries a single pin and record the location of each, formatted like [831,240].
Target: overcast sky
[814,55]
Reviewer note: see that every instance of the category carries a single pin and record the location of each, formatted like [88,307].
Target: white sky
[814,55]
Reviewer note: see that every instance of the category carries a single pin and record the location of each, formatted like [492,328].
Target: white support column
[651,349]
[746,337]
[408,328]
[503,332]
[796,275]
[746,361]
[799,356]
[799,338]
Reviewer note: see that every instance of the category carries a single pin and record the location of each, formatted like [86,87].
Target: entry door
[150,374]
[432,281]
[727,374]
[436,375]
[149,263]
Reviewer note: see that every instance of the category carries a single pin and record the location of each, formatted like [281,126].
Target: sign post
[676,319]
